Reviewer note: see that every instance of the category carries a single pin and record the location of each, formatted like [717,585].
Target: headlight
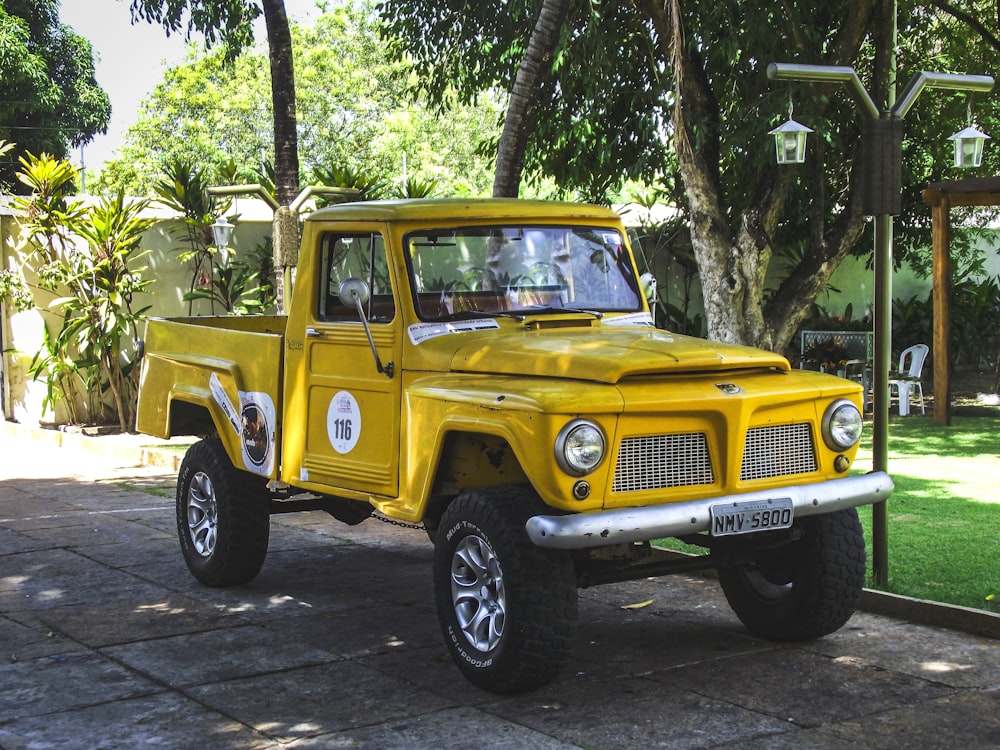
[579,447]
[842,424]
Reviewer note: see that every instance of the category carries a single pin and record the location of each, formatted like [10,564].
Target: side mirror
[354,292]
[648,283]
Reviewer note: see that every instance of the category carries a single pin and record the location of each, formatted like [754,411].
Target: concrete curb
[155,453]
[125,448]
[949,616]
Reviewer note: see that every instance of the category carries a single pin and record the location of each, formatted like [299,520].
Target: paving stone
[152,615]
[802,687]
[450,729]
[63,681]
[946,656]
[166,720]
[216,655]
[317,700]
[31,639]
[965,720]
[602,714]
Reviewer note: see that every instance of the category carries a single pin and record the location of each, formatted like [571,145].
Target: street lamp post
[881,149]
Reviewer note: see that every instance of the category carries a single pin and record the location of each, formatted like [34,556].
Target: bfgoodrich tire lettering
[222,517]
[507,608]
[805,589]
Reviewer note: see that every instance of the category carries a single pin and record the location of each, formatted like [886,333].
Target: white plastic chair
[908,377]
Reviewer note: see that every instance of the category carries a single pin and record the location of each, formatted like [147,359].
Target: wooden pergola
[941,197]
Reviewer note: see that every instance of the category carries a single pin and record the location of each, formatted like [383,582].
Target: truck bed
[199,370]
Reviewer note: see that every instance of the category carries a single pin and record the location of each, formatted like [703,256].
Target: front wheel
[806,588]
[223,517]
[507,608]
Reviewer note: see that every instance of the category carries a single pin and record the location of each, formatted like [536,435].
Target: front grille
[658,461]
[777,451]
[655,462]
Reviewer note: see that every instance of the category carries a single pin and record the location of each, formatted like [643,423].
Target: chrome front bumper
[582,530]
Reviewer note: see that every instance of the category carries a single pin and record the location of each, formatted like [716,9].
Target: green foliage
[233,287]
[183,187]
[50,99]
[98,279]
[663,248]
[975,320]
[609,114]
[229,22]
[13,290]
[63,376]
[912,322]
[827,353]
[416,188]
[369,186]
[353,110]
[600,121]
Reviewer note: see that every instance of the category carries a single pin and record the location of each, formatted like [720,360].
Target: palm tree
[517,124]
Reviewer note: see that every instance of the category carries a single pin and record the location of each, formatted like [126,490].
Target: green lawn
[944,517]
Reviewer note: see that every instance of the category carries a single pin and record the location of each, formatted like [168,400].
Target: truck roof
[462,209]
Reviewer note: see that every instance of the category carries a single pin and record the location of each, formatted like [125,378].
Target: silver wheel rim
[478,593]
[202,514]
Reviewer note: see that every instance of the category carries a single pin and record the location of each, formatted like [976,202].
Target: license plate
[750,516]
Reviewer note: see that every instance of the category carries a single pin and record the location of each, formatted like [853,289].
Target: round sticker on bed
[343,422]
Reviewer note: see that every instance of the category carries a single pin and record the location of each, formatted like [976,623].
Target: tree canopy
[674,92]
[51,100]
[229,23]
[353,107]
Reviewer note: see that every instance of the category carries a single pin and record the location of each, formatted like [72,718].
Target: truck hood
[605,354]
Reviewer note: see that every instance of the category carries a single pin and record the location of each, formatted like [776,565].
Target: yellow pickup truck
[489,370]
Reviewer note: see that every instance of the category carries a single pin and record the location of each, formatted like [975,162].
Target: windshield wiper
[474,314]
[523,312]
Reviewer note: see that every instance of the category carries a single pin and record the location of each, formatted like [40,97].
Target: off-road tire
[805,589]
[223,518]
[487,571]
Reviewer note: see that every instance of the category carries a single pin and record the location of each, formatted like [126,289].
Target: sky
[130,61]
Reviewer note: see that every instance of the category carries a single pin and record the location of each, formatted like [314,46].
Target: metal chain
[393,522]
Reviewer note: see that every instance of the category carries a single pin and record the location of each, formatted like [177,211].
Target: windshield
[503,270]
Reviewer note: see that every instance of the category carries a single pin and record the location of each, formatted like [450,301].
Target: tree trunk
[519,119]
[733,260]
[731,264]
[286,142]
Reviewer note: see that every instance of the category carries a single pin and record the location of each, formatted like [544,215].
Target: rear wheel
[507,608]
[223,517]
[806,588]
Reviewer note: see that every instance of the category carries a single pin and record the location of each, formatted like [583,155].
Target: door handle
[314,333]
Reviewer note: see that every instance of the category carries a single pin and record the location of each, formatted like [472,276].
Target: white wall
[22,333]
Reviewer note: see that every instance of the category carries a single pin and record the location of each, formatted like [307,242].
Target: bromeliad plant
[88,256]
[184,189]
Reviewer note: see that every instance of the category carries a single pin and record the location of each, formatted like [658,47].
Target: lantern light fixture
[969,147]
[790,140]
[222,231]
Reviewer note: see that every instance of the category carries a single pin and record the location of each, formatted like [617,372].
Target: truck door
[352,435]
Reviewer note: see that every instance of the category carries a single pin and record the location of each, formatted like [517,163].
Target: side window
[359,256]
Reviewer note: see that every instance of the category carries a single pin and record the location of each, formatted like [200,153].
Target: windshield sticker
[343,422]
[420,332]
[253,423]
[634,319]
